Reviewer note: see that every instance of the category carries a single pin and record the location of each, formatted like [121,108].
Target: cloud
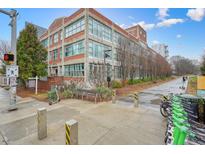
[178,36]
[162,13]
[144,25]
[155,42]
[123,26]
[169,22]
[196,14]
[131,17]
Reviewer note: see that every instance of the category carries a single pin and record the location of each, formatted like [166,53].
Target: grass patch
[192,85]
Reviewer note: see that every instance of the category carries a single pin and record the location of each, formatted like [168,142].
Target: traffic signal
[8,57]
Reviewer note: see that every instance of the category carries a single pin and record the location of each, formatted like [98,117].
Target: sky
[183,30]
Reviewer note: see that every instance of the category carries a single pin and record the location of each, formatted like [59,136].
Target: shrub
[134,81]
[67,93]
[7,88]
[52,96]
[116,84]
[146,79]
[104,92]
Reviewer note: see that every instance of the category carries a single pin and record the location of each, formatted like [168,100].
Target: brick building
[76,46]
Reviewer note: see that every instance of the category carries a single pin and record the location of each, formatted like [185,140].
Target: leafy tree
[31,55]
[202,68]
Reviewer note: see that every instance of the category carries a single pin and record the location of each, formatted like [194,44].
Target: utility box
[200,82]
[201,86]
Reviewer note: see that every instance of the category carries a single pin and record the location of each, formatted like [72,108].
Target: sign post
[36,83]
[12,74]
[13,15]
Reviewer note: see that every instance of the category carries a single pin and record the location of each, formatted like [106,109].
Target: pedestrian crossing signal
[9,57]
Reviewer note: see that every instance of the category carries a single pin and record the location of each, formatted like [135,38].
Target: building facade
[77,45]
[40,30]
[162,49]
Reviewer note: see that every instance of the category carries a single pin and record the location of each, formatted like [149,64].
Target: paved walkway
[103,123]
[152,94]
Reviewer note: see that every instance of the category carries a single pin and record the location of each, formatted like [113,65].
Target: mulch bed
[26,92]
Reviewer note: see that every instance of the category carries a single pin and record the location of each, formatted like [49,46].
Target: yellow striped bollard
[71,132]
[135,96]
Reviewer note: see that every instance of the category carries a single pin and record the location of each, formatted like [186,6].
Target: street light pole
[13,34]
[13,15]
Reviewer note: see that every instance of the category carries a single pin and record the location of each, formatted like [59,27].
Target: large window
[116,37]
[53,55]
[45,43]
[74,49]
[55,37]
[74,70]
[117,72]
[75,27]
[97,50]
[99,30]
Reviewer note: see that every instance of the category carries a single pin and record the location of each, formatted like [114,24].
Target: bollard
[113,96]
[42,123]
[136,100]
[71,132]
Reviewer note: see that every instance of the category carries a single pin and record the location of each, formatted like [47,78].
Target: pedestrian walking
[183,82]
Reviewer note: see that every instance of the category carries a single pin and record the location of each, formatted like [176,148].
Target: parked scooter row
[183,125]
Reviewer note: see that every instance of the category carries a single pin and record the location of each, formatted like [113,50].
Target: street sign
[13,82]
[12,71]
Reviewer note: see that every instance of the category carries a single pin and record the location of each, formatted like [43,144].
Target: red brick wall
[135,31]
[76,79]
[58,80]
[74,37]
[67,19]
[58,60]
[43,86]
[74,57]
[56,24]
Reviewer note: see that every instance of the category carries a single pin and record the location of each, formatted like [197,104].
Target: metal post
[71,132]
[12,14]
[36,88]
[13,34]
[13,48]
[42,123]
[104,67]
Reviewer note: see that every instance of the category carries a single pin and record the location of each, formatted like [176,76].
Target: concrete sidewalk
[103,123]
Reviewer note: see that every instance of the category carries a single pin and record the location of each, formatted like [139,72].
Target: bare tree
[123,52]
[183,65]
[96,74]
[5,47]
[133,59]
